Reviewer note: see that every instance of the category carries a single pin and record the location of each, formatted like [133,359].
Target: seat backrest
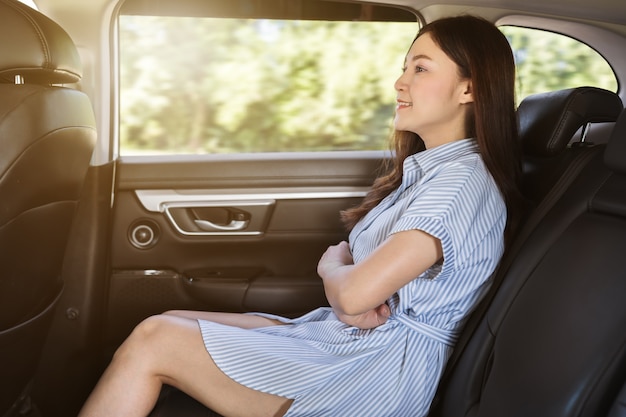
[619,405]
[548,122]
[47,136]
[552,342]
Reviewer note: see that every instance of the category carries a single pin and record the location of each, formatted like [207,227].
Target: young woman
[422,247]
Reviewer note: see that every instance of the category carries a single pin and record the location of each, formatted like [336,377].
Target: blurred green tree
[193,85]
[206,85]
[549,61]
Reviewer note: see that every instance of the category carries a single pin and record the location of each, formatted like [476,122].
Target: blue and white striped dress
[332,369]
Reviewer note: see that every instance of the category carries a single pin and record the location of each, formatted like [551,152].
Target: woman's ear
[467,95]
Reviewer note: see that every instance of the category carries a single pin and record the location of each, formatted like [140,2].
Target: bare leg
[169,349]
[245,321]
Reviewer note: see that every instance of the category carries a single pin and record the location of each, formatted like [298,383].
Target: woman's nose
[400,84]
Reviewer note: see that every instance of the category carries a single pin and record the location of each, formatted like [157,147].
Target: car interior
[48,136]
[93,240]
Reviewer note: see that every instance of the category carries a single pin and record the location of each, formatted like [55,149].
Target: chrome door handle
[219,218]
[233,226]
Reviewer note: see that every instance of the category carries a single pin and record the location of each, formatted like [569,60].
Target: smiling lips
[403,104]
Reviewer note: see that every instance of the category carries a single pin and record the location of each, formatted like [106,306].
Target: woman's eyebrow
[420,56]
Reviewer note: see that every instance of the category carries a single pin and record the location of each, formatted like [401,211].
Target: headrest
[615,152]
[35,47]
[549,120]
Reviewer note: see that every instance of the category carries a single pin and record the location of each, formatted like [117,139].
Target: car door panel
[227,234]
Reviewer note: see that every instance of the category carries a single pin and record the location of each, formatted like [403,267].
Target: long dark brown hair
[483,55]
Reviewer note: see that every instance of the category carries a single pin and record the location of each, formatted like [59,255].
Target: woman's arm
[353,290]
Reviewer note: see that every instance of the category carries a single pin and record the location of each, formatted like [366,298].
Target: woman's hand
[369,319]
[356,291]
[335,257]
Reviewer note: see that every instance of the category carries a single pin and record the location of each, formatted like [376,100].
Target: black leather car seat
[548,123]
[553,157]
[47,137]
[552,341]
[619,405]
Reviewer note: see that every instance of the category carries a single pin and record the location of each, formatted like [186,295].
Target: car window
[30,3]
[206,84]
[548,61]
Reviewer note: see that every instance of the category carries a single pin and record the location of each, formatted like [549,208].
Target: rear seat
[553,339]
[547,124]
[619,405]
[499,372]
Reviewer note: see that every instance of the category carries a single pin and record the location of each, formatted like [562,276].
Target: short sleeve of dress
[459,205]
[431,225]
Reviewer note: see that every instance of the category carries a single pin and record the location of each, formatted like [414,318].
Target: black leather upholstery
[35,48]
[548,121]
[173,402]
[619,405]
[552,342]
[47,136]
[616,149]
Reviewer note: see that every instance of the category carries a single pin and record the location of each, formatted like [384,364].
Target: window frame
[601,39]
[188,10]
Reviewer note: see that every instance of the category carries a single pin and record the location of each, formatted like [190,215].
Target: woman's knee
[144,338]
[175,313]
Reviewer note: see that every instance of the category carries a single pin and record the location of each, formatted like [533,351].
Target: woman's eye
[417,69]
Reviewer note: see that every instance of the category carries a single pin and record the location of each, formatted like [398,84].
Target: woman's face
[432,98]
